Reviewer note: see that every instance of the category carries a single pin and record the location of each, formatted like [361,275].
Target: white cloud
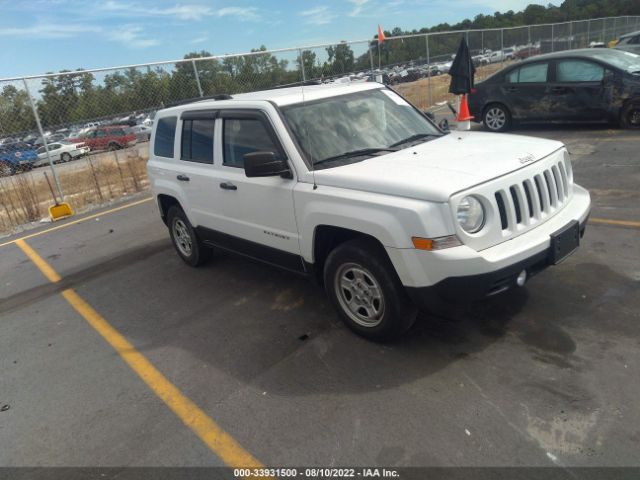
[201,39]
[358,6]
[191,11]
[131,36]
[318,15]
[49,30]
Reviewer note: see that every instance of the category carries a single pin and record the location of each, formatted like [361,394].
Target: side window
[535,73]
[634,40]
[579,71]
[197,140]
[118,132]
[101,133]
[40,150]
[242,136]
[165,136]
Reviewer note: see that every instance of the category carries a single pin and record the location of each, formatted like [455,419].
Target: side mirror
[444,125]
[265,164]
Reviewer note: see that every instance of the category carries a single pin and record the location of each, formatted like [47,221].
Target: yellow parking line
[46,269]
[80,220]
[623,223]
[218,441]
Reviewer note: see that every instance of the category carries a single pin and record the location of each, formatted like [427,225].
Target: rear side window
[165,136]
[197,140]
[242,136]
[535,73]
[579,71]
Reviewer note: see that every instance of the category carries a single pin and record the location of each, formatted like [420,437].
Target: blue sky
[37,36]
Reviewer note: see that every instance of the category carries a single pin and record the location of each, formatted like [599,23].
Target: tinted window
[529,74]
[242,136]
[117,132]
[101,133]
[165,136]
[197,140]
[579,71]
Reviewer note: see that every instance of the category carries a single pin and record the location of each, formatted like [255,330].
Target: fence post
[195,71]
[502,46]
[588,32]
[615,27]
[44,140]
[552,37]
[570,34]
[304,78]
[371,59]
[529,39]
[429,94]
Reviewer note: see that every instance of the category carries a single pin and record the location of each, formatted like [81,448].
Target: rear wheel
[366,291]
[185,240]
[113,147]
[630,116]
[65,157]
[496,118]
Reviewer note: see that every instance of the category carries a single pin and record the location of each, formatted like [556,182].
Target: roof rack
[299,84]
[217,96]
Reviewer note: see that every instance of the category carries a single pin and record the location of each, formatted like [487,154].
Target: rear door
[194,170]
[578,91]
[526,90]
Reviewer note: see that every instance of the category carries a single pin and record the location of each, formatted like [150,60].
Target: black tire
[496,117]
[113,147]
[630,116]
[6,169]
[196,253]
[65,157]
[396,313]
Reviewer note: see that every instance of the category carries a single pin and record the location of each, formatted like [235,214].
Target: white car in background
[61,152]
[143,132]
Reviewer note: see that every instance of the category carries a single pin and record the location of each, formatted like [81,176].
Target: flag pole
[379,67]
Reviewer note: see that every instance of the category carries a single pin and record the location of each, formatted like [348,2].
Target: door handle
[183,178]
[228,186]
[559,89]
[512,89]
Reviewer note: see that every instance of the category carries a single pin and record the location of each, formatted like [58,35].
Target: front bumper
[476,287]
[462,272]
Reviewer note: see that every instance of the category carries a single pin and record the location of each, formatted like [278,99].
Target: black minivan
[587,85]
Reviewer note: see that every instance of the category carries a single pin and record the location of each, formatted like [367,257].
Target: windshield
[618,58]
[348,128]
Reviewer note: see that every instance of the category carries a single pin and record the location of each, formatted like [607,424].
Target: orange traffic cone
[464,117]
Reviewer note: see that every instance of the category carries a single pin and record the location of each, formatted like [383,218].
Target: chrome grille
[531,200]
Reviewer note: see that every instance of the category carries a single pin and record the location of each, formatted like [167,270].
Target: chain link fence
[90,129]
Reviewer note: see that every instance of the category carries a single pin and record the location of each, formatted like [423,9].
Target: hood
[439,168]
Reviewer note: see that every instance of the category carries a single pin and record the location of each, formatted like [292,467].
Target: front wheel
[185,240]
[366,291]
[6,169]
[496,118]
[65,157]
[630,116]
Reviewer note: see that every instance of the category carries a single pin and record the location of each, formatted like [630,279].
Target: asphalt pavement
[148,362]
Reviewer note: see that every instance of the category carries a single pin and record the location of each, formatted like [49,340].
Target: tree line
[79,96]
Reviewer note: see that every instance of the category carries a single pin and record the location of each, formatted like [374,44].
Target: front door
[527,92]
[259,218]
[578,90]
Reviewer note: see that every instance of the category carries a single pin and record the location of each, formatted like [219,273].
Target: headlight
[471,214]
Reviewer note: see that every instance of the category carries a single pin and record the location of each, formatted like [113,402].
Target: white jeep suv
[354,187]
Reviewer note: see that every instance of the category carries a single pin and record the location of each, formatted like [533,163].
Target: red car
[526,52]
[107,138]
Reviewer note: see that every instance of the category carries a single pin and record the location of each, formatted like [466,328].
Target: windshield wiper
[356,153]
[413,138]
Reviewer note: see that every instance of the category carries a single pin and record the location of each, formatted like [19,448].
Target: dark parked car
[579,85]
[16,157]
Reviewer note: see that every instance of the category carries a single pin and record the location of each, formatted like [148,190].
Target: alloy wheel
[359,294]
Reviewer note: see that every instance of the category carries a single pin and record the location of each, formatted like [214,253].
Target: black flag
[462,70]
